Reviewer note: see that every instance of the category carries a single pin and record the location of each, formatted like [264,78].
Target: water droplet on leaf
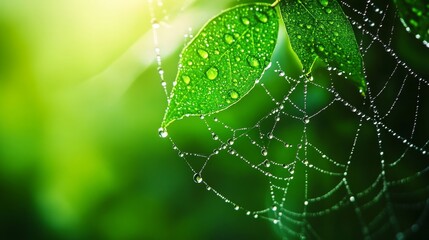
[203,53]
[228,38]
[212,73]
[234,95]
[245,21]
[186,79]
[324,2]
[253,62]
[262,17]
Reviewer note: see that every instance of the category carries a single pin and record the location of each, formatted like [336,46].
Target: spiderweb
[310,154]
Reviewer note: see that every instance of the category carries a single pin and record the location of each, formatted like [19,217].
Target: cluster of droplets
[209,71]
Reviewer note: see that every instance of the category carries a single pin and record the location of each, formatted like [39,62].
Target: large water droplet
[264,152]
[306,120]
[229,38]
[266,163]
[203,53]
[324,2]
[262,17]
[197,178]
[245,21]
[234,94]
[212,73]
[253,62]
[162,132]
[186,79]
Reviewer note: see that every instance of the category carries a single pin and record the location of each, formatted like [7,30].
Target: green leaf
[320,29]
[415,17]
[223,61]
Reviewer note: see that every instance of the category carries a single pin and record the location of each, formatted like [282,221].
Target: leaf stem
[275,3]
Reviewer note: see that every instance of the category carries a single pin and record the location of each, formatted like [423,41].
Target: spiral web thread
[378,188]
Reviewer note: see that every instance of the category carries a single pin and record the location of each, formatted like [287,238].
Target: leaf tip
[363,88]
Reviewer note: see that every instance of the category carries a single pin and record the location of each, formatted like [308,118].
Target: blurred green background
[80,105]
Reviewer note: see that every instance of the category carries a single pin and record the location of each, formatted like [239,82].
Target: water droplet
[352,199]
[275,221]
[214,136]
[253,62]
[236,208]
[186,79]
[230,141]
[155,23]
[245,21]
[162,132]
[234,94]
[328,10]
[203,53]
[262,17]
[264,152]
[306,203]
[306,120]
[160,71]
[212,73]
[228,38]
[197,178]
[266,163]
[324,2]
